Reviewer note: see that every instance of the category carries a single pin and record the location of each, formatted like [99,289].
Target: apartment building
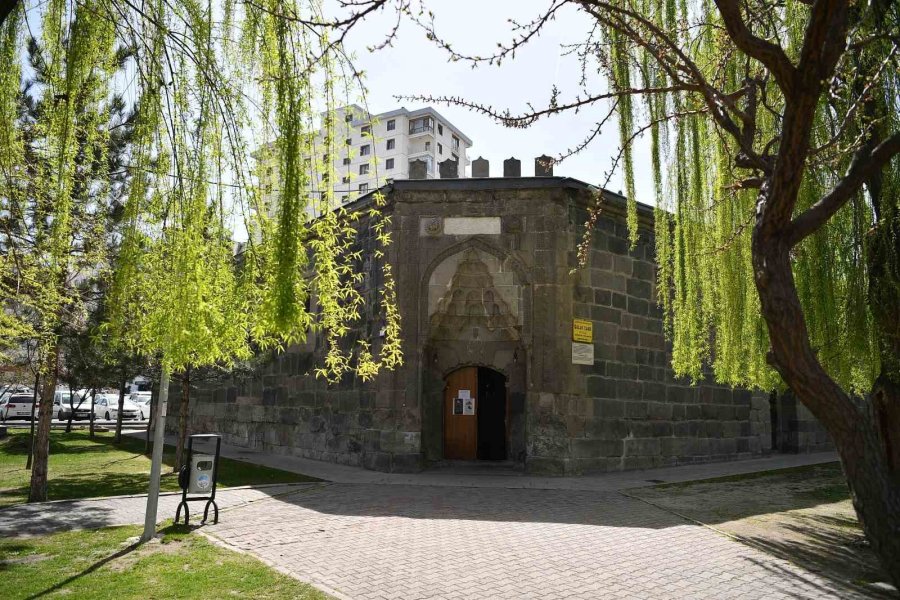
[371,149]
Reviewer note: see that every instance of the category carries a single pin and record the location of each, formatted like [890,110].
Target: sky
[416,66]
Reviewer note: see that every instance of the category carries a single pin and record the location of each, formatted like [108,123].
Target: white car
[76,403]
[16,406]
[106,407]
[142,399]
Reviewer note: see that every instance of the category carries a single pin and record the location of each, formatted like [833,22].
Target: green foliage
[705,213]
[176,292]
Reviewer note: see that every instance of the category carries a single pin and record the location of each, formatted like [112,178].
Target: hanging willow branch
[211,83]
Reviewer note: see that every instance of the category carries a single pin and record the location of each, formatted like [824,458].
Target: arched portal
[476,415]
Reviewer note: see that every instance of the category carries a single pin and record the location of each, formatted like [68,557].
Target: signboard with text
[583,331]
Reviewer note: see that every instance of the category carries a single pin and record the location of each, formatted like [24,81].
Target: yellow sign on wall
[582,331]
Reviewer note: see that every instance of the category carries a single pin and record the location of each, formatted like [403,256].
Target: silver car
[106,406]
[142,400]
[78,404]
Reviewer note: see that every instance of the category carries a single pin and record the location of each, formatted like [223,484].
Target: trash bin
[198,477]
[201,472]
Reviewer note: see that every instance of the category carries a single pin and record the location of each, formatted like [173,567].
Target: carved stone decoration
[418,169]
[543,166]
[433,226]
[449,169]
[472,308]
[512,167]
[481,167]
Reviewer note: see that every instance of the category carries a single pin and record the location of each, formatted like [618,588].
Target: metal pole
[156,466]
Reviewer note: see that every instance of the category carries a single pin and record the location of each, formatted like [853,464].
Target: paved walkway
[63,515]
[472,535]
[375,542]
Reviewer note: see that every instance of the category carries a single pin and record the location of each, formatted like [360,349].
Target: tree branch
[864,165]
[6,7]
[769,54]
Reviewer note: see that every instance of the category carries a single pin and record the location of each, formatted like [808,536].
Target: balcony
[424,125]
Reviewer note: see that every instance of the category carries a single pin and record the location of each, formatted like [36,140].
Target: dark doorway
[491,415]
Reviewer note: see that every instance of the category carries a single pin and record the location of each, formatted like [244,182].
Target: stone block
[539,465]
[608,428]
[636,410]
[628,390]
[609,408]
[642,447]
[608,281]
[595,448]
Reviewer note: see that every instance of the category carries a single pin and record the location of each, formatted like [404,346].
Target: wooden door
[460,431]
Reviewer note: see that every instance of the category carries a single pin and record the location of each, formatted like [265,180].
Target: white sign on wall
[472,226]
[582,354]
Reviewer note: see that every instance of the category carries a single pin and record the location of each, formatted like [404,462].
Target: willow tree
[774,130]
[206,79]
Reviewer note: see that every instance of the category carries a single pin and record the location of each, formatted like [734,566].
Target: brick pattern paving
[50,517]
[381,542]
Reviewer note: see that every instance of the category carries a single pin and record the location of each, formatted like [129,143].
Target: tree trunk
[71,410]
[183,412]
[121,408]
[852,424]
[154,398]
[34,399]
[39,470]
[91,425]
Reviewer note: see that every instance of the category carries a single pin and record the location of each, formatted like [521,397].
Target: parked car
[15,388]
[16,406]
[142,400]
[77,403]
[106,406]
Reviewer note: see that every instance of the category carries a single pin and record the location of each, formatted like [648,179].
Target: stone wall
[284,408]
[627,410]
[517,239]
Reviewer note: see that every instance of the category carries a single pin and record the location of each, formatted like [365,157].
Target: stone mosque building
[509,356]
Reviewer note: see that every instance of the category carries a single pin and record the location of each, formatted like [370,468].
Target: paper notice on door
[469,406]
[465,394]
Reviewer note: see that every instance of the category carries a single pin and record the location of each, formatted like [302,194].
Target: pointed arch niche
[475,312]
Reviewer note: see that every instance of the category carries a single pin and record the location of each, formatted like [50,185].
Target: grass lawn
[104,564]
[803,515]
[81,467]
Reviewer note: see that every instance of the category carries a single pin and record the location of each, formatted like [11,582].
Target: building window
[440,129]
[389,164]
[364,169]
[348,141]
[345,179]
[421,125]
[364,150]
[348,117]
[363,188]
[366,130]
[440,149]
[427,146]
[391,125]
[344,198]
[325,158]
[391,144]
[455,143]
[346,161]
